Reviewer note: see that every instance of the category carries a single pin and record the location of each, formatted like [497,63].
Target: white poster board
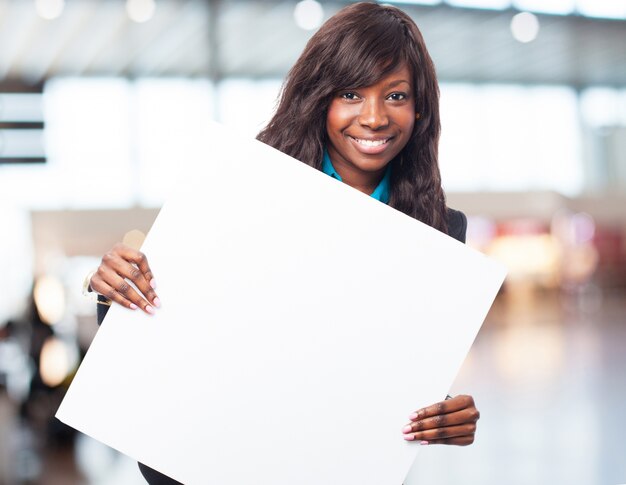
[302,322]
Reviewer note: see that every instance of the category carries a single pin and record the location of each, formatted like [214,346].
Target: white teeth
[371,143]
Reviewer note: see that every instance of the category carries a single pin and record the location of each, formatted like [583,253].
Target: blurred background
[101,99]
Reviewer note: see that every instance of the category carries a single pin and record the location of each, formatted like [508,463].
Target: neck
[365,182]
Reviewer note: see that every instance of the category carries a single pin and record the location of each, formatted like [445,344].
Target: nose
[373,114]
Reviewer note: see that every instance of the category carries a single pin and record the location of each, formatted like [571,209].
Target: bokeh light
[140,10]
[54,362]
[134,238]
[525,27]
[308,14]
[49,297]
[49,9]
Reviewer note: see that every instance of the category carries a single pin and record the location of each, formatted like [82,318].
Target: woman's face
[368,126]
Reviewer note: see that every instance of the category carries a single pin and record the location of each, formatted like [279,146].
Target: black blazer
[457,227]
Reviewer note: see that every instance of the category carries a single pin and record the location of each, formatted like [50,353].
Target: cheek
[406,120]
[338,117]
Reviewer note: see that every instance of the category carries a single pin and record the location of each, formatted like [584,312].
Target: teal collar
[381,192]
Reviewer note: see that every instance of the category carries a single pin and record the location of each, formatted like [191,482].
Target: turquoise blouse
[381,192]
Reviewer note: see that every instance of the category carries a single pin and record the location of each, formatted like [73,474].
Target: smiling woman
[362,105]
[354,61]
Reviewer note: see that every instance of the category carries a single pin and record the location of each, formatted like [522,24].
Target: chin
[371,164]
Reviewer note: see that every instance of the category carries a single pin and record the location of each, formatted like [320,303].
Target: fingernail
[423,443]
[150,310]
[409,437]
[157,302]
[133,306]
[153,284]
[407,429]
[413,416]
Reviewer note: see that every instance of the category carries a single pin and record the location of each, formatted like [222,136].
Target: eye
[349,95]
[397,96]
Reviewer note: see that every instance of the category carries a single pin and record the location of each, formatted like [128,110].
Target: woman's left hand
[449,422]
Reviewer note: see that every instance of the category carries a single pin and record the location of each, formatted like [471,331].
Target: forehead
[401,73]
[398,75]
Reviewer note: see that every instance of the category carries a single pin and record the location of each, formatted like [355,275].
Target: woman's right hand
[124,263]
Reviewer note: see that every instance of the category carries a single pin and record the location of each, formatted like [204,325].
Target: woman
[362,105]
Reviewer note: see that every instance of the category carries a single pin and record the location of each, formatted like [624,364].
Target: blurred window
[86,140]
[247,105]
[16,261]
[510,138]
[603,107]
[115,143]
[169,119]
[603,118]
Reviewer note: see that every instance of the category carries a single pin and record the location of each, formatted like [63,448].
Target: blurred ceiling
[260,39]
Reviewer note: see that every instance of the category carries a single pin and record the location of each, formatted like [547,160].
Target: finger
[119,290]
[121,259]
[457,440]
[137,257]
[131,272]
[98,284]
[110,293]
[125,289]
[444,407]
[442,433]
[464,416]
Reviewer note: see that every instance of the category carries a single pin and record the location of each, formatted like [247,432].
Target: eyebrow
[399,81]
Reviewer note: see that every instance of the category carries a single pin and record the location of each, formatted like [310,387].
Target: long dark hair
[358,46]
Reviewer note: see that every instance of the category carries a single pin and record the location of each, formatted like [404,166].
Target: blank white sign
[302,322]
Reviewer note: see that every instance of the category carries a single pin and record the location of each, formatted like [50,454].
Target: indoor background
[100,100]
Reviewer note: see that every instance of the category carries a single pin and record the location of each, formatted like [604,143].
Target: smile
[370,143]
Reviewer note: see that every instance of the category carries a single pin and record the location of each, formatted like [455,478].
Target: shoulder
[457,224]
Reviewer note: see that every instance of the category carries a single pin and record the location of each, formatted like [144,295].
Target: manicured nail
[409,437]
[413,416]
[157,302]
[150,310]
[423,443]
[153,284]
[133,306]
[407,429]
